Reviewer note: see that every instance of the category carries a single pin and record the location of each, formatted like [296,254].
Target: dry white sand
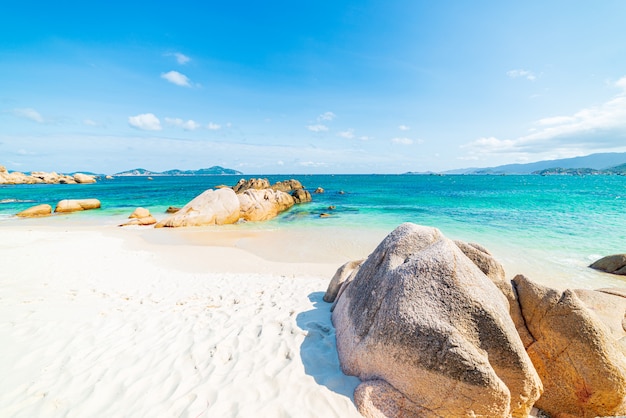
[100,321]
[103,321]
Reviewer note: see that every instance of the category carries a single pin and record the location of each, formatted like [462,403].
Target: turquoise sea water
[564,220]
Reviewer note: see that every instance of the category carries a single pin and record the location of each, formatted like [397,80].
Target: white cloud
[176,78]
[182,59]
[599,128]
[214,126]
[311,164]
[528,75]
[365,138]
[145,121]
[317,128]
[30,114]
[90,122]
[349,134]
[402,141]
[189,125]
[326,116]
[403,128]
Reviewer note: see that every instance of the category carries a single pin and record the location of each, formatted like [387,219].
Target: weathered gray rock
[495,271]
[423,318]
[212,207]
[615,264]
[261,205]
[75,205]
[579,358]
[36,211]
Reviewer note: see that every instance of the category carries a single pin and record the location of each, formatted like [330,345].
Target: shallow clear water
[553,224]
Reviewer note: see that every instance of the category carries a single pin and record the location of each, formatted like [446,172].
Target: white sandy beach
[99,322]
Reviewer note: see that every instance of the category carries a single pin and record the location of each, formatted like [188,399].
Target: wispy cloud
[182,59]
[402,141]
[592,129]
[403,128]
[349,134]
[30,114]
[528,75]
[317,128]
[145,121]
[188,125]
[326,116]
[176,78]
[214,126]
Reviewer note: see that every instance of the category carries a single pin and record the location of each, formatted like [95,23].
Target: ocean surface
[552,225]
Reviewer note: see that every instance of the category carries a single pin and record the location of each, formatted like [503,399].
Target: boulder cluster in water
[248,200]
[433,329]
[41,177]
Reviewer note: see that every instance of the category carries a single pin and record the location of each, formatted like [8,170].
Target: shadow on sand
[319,349]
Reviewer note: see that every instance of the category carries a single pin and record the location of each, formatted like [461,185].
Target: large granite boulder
[430,335]
[212,207]
[81,178]
[615,264]
[36,211]
[578,349]
[261,205]
[75,205]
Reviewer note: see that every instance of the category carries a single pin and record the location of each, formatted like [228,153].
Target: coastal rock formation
[38,177]
[74,205]
[578,350]
[36,211]
[319,190]
[255,184]
[495,271]
[84,178]
[212,207]
[292,187]
[261,205]
[615,264]
[287,186]
[140,216]
[429,334]
[342,276]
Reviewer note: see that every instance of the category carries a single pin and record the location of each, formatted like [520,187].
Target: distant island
[212,171]
[613,163]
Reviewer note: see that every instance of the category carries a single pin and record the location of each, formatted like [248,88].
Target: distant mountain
[598,162]
[215,170]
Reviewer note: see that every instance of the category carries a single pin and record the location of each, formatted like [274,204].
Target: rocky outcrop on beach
[614,264]
[421,322]
[213,207]
[36,211]
[141,217]
[75,205]
[429,334]
[42,177]
[579,348]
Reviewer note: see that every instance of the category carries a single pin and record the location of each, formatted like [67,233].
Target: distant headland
[211,171]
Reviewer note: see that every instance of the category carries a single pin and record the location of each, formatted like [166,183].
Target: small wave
[15,201]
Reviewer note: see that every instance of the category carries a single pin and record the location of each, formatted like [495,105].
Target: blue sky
[309,86]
